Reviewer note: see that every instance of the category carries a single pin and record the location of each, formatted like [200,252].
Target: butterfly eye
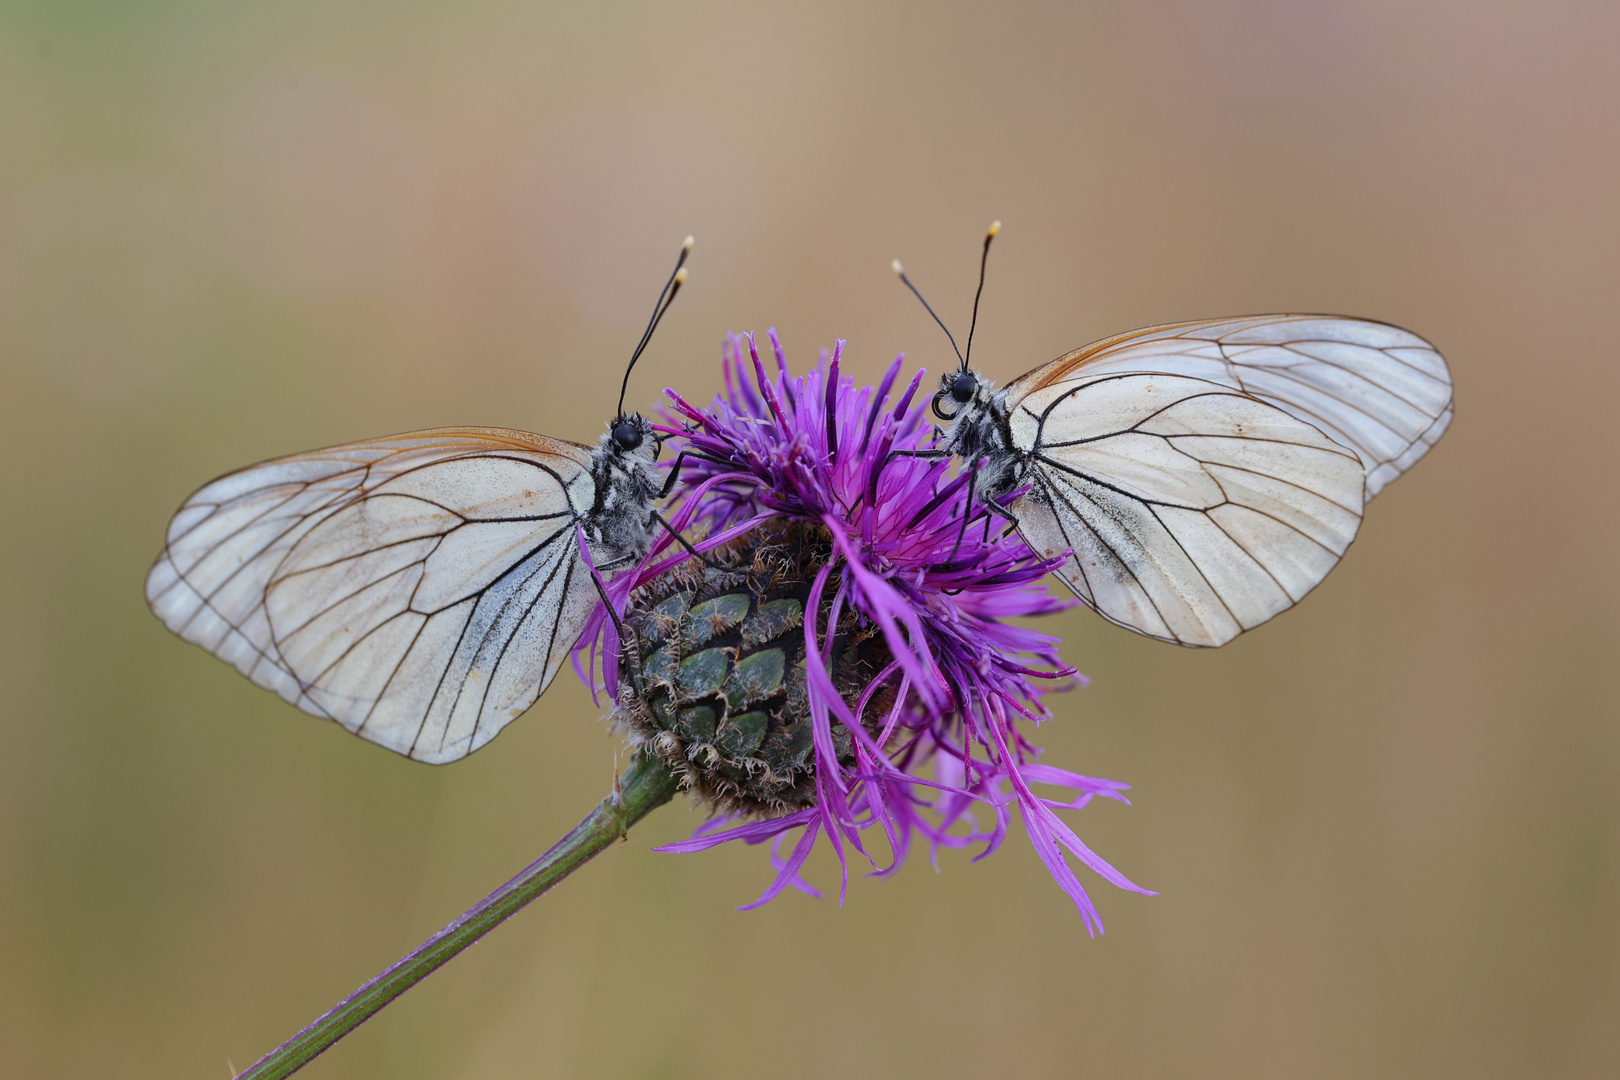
[627,435]
[963,387]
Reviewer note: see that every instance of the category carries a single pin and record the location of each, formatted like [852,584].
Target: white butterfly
[1202,477]
[420,590]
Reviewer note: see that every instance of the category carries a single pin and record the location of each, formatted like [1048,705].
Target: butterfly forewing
[1381,391]
[1191,511]
[420,590]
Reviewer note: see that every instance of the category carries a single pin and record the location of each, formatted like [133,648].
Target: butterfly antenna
[677,278]
[901,272]
[984,257]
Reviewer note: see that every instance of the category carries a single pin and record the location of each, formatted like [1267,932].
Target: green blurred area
[1385,828]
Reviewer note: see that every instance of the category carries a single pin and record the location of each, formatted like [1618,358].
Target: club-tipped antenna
[901,272]
[666,297]
[984,257]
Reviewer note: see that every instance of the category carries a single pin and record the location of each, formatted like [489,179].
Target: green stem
[647,784]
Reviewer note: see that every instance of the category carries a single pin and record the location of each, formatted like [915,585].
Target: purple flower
[928,740]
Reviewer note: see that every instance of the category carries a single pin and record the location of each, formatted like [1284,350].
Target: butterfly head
[960,389]
[627,433]
[630,441]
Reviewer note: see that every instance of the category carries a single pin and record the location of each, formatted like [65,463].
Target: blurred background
[1385,828]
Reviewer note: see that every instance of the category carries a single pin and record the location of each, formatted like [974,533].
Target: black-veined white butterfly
[1202,476]
[420,590]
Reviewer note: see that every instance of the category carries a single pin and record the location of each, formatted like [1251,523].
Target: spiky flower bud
[715,676]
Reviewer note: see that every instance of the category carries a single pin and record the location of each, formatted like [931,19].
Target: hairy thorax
[981,435]
[619,526]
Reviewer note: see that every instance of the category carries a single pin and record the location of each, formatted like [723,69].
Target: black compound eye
[627,435]
[963,387]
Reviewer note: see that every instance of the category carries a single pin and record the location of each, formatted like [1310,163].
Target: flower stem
[646,785]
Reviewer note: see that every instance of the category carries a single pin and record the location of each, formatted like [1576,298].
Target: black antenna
[900,270]
[995,227]
[677,278]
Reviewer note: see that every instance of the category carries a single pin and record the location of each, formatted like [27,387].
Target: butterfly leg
[618,625]
[1001,512]
[675,469]
[681,540]
[967,513]
[929,454]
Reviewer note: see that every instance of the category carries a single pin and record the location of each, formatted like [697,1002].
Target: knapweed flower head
[838,658]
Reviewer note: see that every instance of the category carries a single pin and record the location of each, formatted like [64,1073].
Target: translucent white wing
[420,590]
[1381,391]
[1192,512]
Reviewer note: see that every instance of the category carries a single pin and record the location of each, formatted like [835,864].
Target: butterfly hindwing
[420,590]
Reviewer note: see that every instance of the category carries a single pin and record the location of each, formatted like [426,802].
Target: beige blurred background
[1386,828]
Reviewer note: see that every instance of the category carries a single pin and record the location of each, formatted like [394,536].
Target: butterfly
[421,590]
[1197,479]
